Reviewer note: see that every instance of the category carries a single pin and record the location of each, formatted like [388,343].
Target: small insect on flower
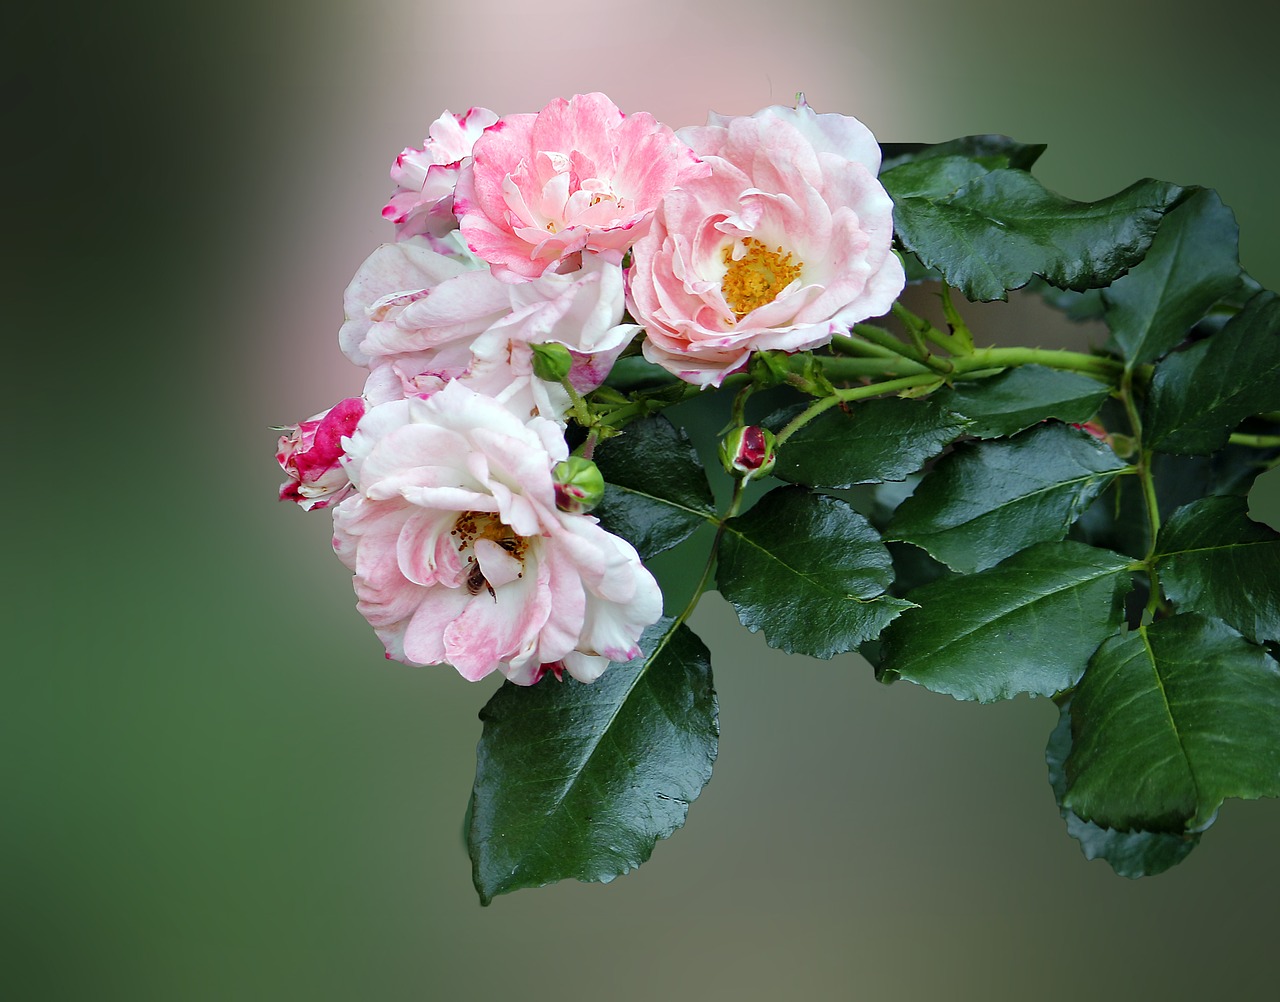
[476,579]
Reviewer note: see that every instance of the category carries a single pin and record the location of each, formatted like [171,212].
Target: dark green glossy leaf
[1193,263]
[874,441]
[1216,560]
[1009,152]
[1002,228]
[1131,854]
[809,571]
[933,178]
[1199,396]
[656,491]
[1029,624]
[580,781]
[1018,398]
[1117,520]
[1168,722]
[987,500]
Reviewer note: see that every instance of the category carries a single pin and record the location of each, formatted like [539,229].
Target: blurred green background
[214,785]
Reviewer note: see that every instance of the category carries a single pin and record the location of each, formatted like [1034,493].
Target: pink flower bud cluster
[521,243]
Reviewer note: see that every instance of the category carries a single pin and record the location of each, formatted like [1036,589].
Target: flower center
[756,278]
[472,526]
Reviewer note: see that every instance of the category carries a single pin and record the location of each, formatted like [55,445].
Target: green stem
[1256,441]
[856,368]
[882,338]
[1149,499]
[616,417]
[846,345]
[735,502]
[581,413]
[851,394]
[896,363]
[1073,361]
[959,329]
[919,325]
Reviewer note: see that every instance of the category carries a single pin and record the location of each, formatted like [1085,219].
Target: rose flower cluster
[449,479]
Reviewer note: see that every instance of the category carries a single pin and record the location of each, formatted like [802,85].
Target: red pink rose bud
[311,454]
[749,452]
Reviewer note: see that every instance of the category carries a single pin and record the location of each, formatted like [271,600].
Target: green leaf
[1117,520]
[656,492]
[933,178]
[1000,229]
[580,781]
[987,500]
[1018,398]
[1199,396]
[1216,560]
[1192,264]
[874,441]
[809,571]
[1168,722]
[1009,152]
[1029,624]
[1131,854]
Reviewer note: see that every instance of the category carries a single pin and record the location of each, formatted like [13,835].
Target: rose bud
[551,361]
[311,454]
[579,485]
[749,452]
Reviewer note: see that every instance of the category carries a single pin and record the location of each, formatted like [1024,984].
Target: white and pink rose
[425,178]
[461,556]
[787,242]
[418,318]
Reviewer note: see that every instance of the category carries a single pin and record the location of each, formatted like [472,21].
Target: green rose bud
[749,452]
[551,361]
[579,485]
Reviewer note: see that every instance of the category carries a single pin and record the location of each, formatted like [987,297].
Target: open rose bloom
[461,555]
[579,175]
[767,232]
[785,243]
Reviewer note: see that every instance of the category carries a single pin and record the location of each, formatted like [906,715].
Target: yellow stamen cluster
[757,277]
[475,525]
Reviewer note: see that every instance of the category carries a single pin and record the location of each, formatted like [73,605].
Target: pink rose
[787,242]
[425,178]
[311,454]
[461,556]
[579,175]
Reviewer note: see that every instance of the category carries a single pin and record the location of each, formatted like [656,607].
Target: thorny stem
[880,354]
[846,345]
[883,339]
[959,329]
[919,325]
[851,394]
